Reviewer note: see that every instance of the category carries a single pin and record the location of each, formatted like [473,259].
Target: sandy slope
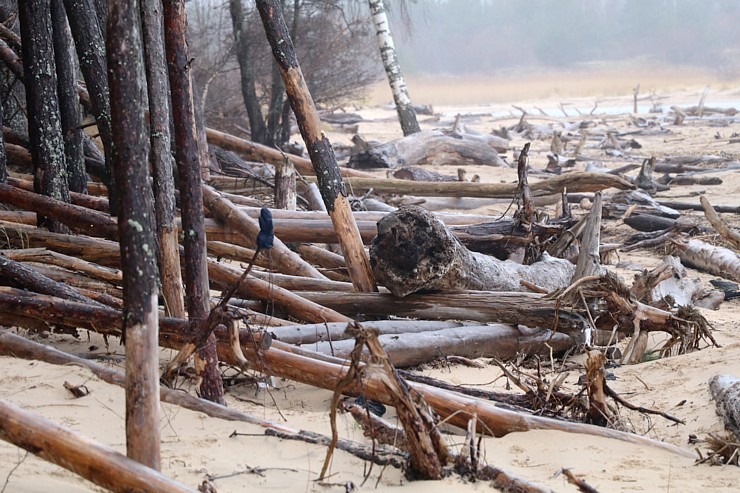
[195,446]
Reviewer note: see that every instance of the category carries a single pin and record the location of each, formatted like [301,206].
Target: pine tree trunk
[90,44]
[249,93]
[138,243]
[188,163]
[161,159]
[322,154]
[44,126]
[69,100]
[406,113]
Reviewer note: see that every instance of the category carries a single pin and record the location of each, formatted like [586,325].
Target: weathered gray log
[727,231]
[336,331]
[716,260]
[415,251]
[482,341]
[432,147]
[725,390]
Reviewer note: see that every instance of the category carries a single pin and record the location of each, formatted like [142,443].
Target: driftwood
[669,281]
[716,260]
[725,390]
[311,333]
[727,232]
[91,460]
[416,173]
[483,341]
[19,347]
[435,148]
[279,362]
[574,182]
[414,251]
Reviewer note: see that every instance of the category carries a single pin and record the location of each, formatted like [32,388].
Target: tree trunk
[138,243]
[188,158]
[415,251]
[725,390]
[406,113]
[161,158]
[90,44]
[69,100]
[319,148]
[3,157]
[246,70]
[44,126]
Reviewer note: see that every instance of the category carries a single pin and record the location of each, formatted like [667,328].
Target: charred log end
[404,238]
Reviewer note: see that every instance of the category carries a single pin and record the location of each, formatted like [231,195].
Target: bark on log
[88,36]
[725,390]
[136,230]
[44,124]
[481,306]
[415,251]
[258,152]
[432,148]
[574,182]
[285,192]
[69,100]
[319,148]
[87,458]
[189,164]
[71,216]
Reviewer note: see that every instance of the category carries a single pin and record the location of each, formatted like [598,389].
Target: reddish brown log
[87,458]
[319,148]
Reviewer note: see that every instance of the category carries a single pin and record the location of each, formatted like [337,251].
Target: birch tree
[406,113]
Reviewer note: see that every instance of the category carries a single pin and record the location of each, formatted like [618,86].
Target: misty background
[485,36]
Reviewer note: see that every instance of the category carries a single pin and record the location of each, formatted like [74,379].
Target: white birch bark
[406,114]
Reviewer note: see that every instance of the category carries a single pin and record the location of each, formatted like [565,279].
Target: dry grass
[596,82]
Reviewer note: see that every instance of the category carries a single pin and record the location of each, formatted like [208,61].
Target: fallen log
[285,259]
[258,152]
[483,341]
[574,182]
[311,333]
[719,224]
[454,408]
[435,148]
[725,390]
[480,306]
[415,251]
[19,347]
[87,458]
[716,260]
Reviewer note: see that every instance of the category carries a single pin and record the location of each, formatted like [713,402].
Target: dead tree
[69,100]
[3,157]
[406,113]
[319,148]
[188,158]
[414,250]
[88,36]
[44,126]
[161,159]
[247,72]
[138,243]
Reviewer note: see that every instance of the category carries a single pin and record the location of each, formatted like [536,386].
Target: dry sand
[195,446]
